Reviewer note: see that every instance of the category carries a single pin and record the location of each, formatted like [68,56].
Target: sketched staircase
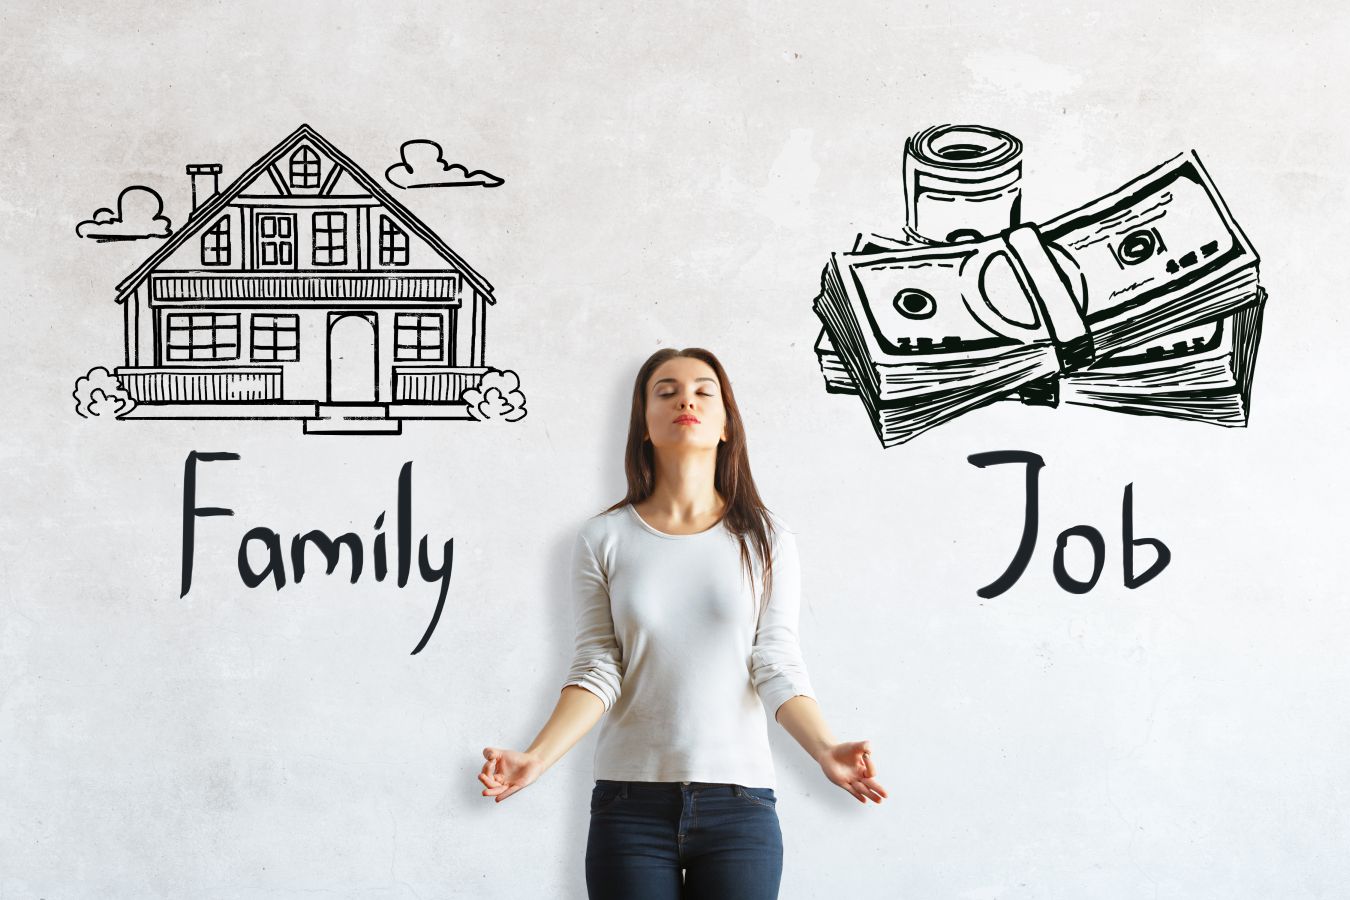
[353,418]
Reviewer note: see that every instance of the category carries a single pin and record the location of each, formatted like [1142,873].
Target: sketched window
[304,168]
[393,243]
[216,244]
[275,338]
[330,239]
[198,336]
[418,336]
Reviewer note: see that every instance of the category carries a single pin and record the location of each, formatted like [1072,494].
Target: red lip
[686,419]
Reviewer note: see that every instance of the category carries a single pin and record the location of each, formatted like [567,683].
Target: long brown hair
[746,516]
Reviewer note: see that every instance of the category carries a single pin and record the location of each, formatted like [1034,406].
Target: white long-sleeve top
[670,638]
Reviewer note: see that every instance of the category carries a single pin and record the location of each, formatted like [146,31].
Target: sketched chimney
[199,193]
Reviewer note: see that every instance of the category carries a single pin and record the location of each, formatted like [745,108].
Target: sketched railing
[297,286]
[201,385]
[435,384]
[412,384]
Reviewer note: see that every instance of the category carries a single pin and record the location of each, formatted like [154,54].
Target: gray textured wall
[674,176]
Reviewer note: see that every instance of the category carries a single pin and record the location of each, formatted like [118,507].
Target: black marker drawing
[424,166]
[1143,301]
[304,290]
[961,184]
[100,394]
[271,544]
[497,396]
[1131,576]
[139,215]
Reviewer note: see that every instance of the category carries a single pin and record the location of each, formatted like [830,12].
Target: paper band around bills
[962,182]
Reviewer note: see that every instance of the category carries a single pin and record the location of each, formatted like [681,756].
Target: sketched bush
[497,396]
[99,393]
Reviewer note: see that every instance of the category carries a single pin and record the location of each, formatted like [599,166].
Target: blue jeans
[725,838]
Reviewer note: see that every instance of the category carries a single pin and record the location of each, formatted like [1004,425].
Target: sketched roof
[207,210]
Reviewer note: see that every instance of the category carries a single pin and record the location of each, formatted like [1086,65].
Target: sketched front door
[276,241]
[352,357]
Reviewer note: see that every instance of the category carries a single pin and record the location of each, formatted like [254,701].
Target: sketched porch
[359,332]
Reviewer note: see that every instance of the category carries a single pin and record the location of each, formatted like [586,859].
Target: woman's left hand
[849,765]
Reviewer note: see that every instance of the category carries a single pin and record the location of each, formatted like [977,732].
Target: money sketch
[1145,300]
[303,290]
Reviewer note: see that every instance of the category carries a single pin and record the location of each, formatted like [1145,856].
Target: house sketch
[303,290]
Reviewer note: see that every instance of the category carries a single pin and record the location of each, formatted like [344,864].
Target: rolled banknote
[962,182]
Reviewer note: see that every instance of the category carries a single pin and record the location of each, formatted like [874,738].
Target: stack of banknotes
[1142,301]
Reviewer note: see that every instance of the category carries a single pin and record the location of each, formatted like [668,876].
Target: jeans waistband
[673,787]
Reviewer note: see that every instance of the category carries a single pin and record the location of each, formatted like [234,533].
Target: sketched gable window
[330,239]
[275,338]
[417,336]
[197,336]
[393,243]
[216,244]
[304,168]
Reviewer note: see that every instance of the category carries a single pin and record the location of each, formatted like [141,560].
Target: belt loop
[623,790]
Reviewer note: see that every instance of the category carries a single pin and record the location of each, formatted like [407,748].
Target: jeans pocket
[603,796]
[761,796]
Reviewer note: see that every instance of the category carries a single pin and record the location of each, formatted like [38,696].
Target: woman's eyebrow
[673,381]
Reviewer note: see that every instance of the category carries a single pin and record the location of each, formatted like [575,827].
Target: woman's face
[684,405]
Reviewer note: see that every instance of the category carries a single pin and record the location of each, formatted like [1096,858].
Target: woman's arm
[780,676]
[507,771]
[576,713]
[593,685]
[801,717]
[847,764]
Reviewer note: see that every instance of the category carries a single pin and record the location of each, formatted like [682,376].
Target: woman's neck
[684,495]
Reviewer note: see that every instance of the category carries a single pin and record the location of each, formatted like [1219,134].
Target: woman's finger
[860,791]
[493,783]
[874,790]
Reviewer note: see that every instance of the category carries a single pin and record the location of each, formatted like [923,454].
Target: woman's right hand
[507,771]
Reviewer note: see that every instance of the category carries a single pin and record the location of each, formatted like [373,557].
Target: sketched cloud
[138,215]
[424,166]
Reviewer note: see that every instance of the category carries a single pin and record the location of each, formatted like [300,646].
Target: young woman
[686,600]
